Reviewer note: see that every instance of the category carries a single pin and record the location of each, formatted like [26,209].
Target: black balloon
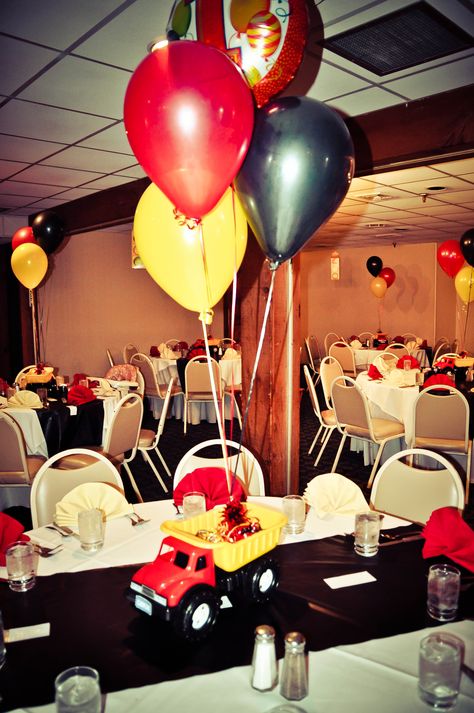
[297,171]
[374,265]
[48,229]
[467,246]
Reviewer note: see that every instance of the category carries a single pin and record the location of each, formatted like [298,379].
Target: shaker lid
[265,632]
[295,639]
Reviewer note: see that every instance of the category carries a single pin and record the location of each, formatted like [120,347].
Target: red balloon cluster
[384,277]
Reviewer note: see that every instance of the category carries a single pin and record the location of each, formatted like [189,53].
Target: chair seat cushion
[34,463]
[200,396]
[329,417]
[79,460]
[146,438]
[450,445]
[383,428]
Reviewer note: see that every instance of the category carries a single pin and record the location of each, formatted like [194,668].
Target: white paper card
[21,633]
[348,580]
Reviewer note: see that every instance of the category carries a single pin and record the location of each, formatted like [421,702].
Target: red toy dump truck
[188,579]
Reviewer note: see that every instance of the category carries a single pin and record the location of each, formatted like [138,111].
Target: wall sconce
[335,266]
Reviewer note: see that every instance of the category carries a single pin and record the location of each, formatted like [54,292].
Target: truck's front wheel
[261,578]
[197,613]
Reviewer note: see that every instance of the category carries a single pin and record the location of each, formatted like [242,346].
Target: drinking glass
[91,529]
[440,661]
[3,651]
[22,562]
[194,503]
[443,591]
[78,690]
[407,365]
[366,533]
[294,507]
[42,394]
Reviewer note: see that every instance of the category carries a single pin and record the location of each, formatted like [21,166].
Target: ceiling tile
[30,150]
[446,76]
[364,101]
[56,176]
[19,61]
[16,210]
[13,201]
[36,121]
[135,171]
[46,203]
[465,165]
[81,85]
[113,138]
[449,182]
[332,82]
[409,175]
[108,182]
[88,160]
[73,193]
[54,22]
[457,196]
[139,23]
[26,189]
[9,168]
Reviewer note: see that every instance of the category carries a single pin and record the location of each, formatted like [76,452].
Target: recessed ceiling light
[377,225]
[436,188]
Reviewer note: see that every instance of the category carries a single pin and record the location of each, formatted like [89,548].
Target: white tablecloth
[166,369]
[378,675]
[389,401]
[365,357]
[127,544]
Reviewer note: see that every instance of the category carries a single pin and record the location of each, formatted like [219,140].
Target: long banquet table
[93,624]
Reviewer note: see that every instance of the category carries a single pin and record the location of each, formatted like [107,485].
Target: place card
[22,633]
[349,580]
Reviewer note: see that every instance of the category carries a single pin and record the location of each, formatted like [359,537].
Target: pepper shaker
[264,667]
[294,678]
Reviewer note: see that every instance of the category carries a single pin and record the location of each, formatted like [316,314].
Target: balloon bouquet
[31,246]
[384,277]
[451,256]
[191,122]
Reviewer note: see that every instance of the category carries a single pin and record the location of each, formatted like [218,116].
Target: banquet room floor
[174,444]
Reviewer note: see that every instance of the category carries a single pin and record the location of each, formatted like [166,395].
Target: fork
[47,551]
[139,520]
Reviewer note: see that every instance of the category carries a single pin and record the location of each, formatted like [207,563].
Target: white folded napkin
[25,399]
[231,353]
[384,367]
[333,493]
[166,352]
[3,401]
[356,344]
[396,377]
[411,345]
[91,495]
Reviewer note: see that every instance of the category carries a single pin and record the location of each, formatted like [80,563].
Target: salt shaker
[264,666]
[294,678]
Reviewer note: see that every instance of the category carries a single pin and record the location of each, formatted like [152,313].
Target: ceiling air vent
[405,38]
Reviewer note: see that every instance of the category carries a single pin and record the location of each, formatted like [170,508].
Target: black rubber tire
[197,613]
[261,579]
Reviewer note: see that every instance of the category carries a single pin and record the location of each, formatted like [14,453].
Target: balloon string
[232,315]
[218,411]
[257,360]
[204,266]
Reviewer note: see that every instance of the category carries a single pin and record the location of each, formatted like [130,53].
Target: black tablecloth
[61,430]
[92,623]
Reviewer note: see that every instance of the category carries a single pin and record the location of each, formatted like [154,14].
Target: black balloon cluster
[48,229]
[467,246]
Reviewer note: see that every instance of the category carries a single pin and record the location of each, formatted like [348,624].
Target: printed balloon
[263,34]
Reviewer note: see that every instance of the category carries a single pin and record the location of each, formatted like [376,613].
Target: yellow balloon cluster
[464,283]
[29,264]
[194,264]
[378,287]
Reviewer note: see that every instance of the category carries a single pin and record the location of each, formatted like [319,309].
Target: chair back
[53,483]
[171,343]
[442,412]
[13,464]
[145,365]
[312,393]
[110,357]
[350,407]
[245,464]
[198,381]
[24,371]
[409,337]
[329,339]
[413,493]
[363,336]
[128,351]
[313,351]
[398,349]
[329,370]
[388,357]
[164,410]
[441,348]
[345,356]
[124,430]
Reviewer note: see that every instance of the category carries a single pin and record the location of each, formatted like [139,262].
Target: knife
[408,538]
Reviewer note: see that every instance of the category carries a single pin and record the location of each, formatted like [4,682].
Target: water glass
[78,690]
[294,507]
[22,562]
[91,529]
[441,656]
[3,651]
[366,533]
[194,503]
[444,582]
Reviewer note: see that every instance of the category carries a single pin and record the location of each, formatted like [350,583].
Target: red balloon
[450,257]
[388,275]
[23,235]
[189,119]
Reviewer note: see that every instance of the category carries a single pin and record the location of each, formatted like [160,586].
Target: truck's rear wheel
[196,614]
[261,579]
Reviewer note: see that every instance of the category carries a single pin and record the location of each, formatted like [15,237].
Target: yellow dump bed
[231,555]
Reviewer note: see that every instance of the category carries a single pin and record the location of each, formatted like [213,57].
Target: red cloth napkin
[154,351]
[77,378]
[447,534]
[439,379]
[445,363]
[414,363]
[10,531]
[213,483]
[374,373]
[80,395]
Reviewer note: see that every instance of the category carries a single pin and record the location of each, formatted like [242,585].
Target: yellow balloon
[464,284]
[29,264]
[378,287]
[242,11]
[171,249]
